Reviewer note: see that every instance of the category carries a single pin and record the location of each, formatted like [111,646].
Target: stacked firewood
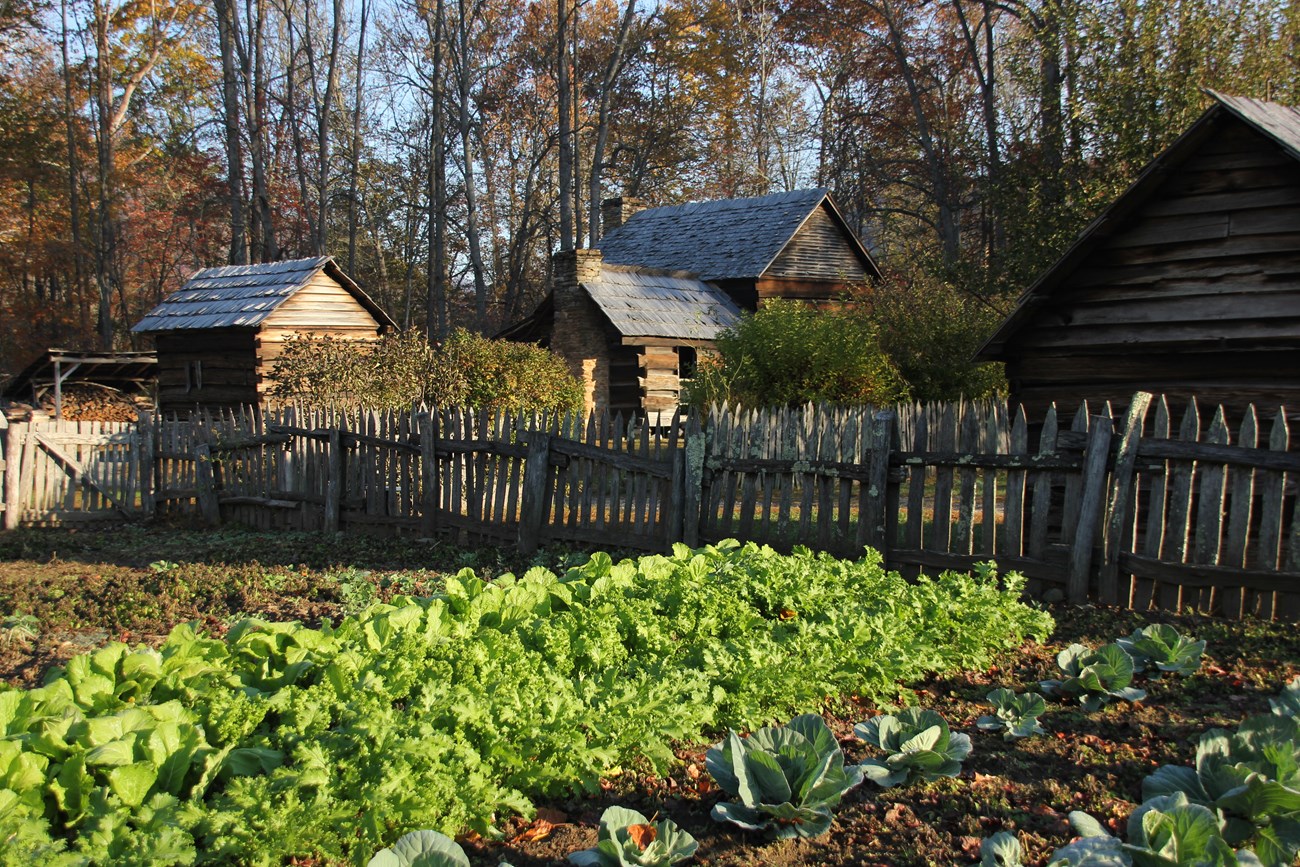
[85,401]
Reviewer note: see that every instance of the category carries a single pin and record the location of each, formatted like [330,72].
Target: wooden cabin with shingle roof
[629,334]
[632,316]
[1188,284]
[794,245]
[218,336]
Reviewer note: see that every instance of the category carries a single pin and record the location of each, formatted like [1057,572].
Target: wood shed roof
[644,302]
[722,240]
[118,369]
[1278,122]
[243,296]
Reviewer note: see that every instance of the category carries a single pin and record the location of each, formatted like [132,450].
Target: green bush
[403,369]
[789,353]
[930,331]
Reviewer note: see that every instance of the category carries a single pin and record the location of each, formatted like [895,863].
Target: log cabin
[633,315]
[218,336]
[1188,284]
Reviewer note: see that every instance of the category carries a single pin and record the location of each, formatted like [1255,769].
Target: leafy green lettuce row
[448,712]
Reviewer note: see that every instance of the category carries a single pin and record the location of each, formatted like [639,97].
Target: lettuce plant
[918,744]
[1164,832]
[421,849]
[1250,779]
[1160,647]
[1016,716]
[629,839]
[1095,677]
[785,779]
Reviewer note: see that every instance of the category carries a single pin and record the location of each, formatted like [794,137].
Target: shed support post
[532,508]
[1092,501]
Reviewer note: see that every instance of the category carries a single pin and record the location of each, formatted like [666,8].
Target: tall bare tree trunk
[566,123]
[613,69]
[436,302]
[464,80]
[106,248]
[353,203]
[264,245]
[74,177]
[226,37]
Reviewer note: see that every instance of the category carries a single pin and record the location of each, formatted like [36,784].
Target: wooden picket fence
[1149,510]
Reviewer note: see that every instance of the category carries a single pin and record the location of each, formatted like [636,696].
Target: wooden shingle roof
[722,240]
[243,296]
[644,302]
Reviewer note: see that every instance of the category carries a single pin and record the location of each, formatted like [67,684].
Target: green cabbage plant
[629,839]
[1164,832]
[784,779]
[1160,647]
[421,849]
[1095,677]
[1251,779]
[918,745]
[1001,850]
[1287,702]
[1016,716]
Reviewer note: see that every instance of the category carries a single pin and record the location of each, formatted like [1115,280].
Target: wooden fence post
[532,508]
[206,483]
[693,482]
[13,475]
[1118,524]
[428,474]
[876,502]
[1091,502]
[144,430]
[334,481]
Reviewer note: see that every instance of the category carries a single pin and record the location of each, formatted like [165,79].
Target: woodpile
[86,401]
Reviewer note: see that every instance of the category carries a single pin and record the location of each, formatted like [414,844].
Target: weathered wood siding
[819,251]
[215,367]
[322,308]
[1197,292]
[659,380]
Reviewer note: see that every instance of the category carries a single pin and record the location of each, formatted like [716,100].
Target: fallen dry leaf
[536,832]
[642,835]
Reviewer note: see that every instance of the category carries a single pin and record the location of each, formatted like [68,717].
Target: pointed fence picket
[1161,507]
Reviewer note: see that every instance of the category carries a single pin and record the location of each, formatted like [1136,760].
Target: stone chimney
[580,335]
[615,212]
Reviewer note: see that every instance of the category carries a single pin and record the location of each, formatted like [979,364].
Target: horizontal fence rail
[1158,508]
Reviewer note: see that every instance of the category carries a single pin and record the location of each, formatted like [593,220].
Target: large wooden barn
[218,336]
[631,316]
[1188,284]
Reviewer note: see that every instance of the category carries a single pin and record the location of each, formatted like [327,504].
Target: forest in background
[442,149]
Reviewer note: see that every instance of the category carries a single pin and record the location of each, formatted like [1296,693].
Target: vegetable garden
[727,704]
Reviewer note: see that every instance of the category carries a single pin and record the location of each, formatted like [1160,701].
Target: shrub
[403,369]
[930,331]
[789,353]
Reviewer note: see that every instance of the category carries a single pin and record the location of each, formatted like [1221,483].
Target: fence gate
[57,472]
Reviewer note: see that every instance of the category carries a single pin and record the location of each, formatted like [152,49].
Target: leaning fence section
[1161,506]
